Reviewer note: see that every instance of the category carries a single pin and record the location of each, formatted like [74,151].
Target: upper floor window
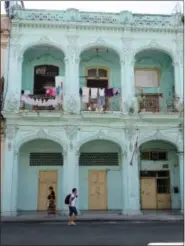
[44,77]
[154,156]
[99,73]
[146,78]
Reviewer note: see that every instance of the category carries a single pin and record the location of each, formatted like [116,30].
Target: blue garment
[58,89]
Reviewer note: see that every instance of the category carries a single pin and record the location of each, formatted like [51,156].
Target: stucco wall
[29,175]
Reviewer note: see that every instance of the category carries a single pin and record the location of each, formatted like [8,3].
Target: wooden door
[163,201]
[148,193]
[97,190]
[46,179]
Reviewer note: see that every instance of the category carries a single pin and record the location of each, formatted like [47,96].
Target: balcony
[112,104]
[40,102]
[155,103]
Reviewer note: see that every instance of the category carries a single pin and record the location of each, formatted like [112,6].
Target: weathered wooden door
[46,179]
[148,193]
[97,190]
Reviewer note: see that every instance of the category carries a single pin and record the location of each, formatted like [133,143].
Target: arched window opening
[44,78]
[97,78]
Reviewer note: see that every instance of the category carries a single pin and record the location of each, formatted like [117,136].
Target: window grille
[99,159]
[163,185]
[46,159]
[154,156]
[151,103]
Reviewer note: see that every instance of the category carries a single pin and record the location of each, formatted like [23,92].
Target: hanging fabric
[85,94]
[94,93]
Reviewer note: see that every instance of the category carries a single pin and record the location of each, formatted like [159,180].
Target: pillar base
[9,214]
[131,212]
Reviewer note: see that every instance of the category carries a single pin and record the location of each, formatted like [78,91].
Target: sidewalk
[95,217]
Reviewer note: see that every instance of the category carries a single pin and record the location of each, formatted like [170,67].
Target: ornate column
[131,184]
[71,164]
[10,174]
[71,97]
[127,81]
[181,170]
[14,74]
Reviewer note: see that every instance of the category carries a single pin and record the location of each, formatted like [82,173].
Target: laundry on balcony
[40,100]
[97,99]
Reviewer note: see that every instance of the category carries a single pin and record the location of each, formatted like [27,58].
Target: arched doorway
[159,176]
[99,168]
[100,76]
[40,166]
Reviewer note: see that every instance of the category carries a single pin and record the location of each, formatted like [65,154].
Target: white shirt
[73,202]
[102,92]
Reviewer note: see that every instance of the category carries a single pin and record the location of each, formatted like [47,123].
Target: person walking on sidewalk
[72,207]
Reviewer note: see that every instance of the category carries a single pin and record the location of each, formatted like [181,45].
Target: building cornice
[73,18]
[99,27]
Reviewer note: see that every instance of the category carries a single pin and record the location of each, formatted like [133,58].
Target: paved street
[91,233]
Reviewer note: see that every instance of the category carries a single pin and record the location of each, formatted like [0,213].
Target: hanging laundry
[85,94]
[80,92]
[109,92]
[116,91]
[58,89]
[49,91]
[94,93]
[53,92]
[101,99]
[101,92]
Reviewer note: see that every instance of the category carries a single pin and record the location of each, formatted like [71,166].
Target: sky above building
[151,7]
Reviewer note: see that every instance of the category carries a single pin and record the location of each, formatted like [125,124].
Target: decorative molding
[72,104]
[158,135]
[12,102]
[96,137]
[41,133]
[71,132]
[153,44]
[72,39]
[43,40]
[34,136]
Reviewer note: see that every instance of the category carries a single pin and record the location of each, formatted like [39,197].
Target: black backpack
[66,201]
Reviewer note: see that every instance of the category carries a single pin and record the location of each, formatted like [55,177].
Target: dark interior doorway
[44,76]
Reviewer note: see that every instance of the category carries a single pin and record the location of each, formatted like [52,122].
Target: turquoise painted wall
[158,165]
[108,60]
[163,62]
[114,184]
[28,175]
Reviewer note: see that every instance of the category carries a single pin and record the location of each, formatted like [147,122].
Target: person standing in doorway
[72,207]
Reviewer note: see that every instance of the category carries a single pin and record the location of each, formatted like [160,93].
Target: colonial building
[94,101]
[4,48]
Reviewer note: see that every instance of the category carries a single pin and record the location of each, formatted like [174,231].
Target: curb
[34,221]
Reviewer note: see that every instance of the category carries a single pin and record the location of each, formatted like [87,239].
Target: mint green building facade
[119,158]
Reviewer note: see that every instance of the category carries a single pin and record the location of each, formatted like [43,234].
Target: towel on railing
[85,94]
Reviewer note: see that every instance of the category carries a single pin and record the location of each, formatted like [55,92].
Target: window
[146,78]
[163,185]
[99,159]
[99,73]
[46,159]
[154,156]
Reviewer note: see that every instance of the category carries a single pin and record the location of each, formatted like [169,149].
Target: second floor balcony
[100,82]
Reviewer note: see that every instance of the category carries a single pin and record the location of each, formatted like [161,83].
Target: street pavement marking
[166,244]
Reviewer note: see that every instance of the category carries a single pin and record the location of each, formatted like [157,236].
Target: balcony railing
[40,102]
[111,104]
[156,103]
